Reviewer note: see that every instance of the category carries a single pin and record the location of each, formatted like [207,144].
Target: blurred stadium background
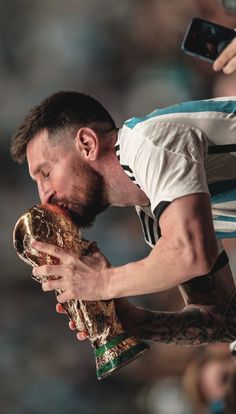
[127,54]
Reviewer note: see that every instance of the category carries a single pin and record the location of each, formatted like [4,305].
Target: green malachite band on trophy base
[113,342]
[121,359]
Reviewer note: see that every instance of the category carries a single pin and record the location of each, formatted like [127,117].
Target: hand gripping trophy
[113,347]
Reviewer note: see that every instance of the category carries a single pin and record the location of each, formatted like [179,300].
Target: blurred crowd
[127,54]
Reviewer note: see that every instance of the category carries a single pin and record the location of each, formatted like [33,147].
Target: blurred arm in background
[227,59]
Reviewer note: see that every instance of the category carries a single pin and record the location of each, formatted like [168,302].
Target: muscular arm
[208,317]
[186,249]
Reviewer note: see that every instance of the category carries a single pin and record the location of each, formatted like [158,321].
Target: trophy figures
[113,347]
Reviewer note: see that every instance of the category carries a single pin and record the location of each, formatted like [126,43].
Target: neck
[121,190]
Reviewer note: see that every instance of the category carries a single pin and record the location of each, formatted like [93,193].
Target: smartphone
[205,39]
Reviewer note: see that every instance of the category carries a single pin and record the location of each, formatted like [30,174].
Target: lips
[58,203]
[55,208]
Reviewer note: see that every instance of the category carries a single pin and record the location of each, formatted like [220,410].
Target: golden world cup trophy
[113,347]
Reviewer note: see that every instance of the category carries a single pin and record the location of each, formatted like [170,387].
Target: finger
[49,270]
[82,336]
[52,285]
[50,249]
[230,67]
[72,325]
[225,56]
[60,308]
[64,297]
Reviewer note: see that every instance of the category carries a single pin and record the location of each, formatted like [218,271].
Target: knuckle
[60,298]
[57,250]
[49,284]
[72,266]
[44,286]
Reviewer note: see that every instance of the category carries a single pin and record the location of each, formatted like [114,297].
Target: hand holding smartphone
[206,40]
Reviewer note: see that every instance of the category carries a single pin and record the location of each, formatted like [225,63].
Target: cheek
[61,182]
[72,181]
[67,186]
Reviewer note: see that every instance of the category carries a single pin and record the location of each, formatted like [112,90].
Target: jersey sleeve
[169,162]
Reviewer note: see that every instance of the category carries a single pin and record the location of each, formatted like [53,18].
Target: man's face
[64,178]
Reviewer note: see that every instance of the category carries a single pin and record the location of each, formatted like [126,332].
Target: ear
[87,142]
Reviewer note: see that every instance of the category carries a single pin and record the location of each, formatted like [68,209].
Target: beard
[89,196]
[84,214]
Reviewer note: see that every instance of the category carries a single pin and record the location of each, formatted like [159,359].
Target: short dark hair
[58,111]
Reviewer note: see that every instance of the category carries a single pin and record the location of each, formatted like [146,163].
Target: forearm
[165,268]
[194,325]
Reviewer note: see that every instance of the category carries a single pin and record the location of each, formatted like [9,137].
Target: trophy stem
[116,353]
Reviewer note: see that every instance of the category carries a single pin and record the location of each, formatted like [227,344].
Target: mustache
[83,216]
[59,202]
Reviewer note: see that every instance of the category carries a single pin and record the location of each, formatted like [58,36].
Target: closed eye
[44,174]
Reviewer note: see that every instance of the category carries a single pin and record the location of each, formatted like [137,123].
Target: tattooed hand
[208,317]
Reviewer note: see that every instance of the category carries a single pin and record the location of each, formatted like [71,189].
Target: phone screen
[206,39]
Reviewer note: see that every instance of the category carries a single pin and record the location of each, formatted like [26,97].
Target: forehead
[38,147]
[41,150]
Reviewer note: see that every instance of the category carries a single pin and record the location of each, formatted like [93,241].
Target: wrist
[107,293]
[127,280]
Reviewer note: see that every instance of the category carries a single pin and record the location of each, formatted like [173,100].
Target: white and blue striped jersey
[168,154]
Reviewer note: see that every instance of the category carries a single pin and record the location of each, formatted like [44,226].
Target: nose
[45,192]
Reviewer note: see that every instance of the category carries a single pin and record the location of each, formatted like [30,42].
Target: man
[167,165]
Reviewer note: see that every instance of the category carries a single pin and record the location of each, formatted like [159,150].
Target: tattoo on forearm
[204,284]
[194,325]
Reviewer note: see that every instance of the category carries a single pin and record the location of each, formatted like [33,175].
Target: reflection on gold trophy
[113,347]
